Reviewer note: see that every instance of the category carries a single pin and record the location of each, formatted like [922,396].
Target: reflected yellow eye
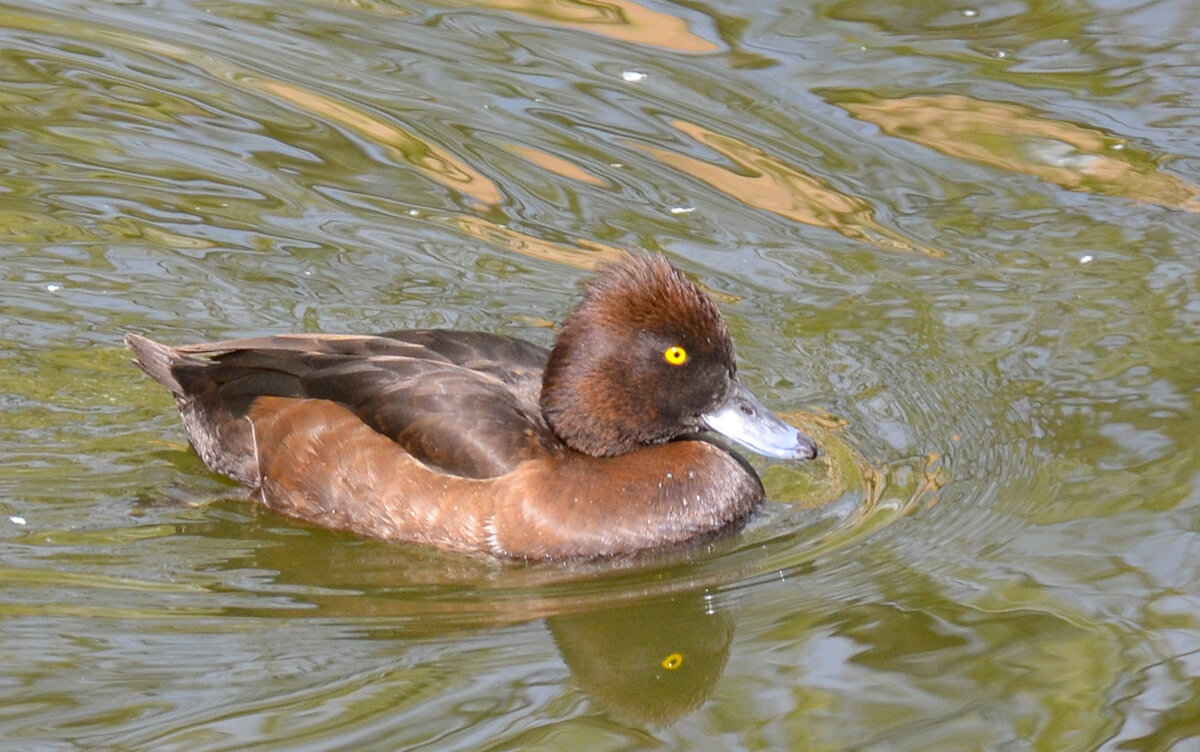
[675,355]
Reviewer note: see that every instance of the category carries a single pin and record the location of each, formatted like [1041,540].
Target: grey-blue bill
[742,418]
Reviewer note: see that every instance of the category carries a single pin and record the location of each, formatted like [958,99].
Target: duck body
[479,442]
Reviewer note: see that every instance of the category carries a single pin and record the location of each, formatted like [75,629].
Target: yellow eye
[672,661]
[675,355]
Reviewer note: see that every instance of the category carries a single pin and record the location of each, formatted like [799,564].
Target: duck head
[645,358]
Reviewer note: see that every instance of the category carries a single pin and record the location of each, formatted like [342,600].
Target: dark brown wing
[465,402]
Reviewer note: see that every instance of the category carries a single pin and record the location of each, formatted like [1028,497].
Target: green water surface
[958,243]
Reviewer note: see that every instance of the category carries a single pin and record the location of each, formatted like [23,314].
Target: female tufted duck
[479,442]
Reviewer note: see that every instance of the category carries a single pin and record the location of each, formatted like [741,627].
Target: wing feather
[465,402]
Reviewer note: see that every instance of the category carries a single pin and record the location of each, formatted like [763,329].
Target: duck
[609,444]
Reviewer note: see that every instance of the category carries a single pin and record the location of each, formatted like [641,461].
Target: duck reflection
[647,663]
[645,659]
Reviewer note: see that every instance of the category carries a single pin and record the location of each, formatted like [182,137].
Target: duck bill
[742,418]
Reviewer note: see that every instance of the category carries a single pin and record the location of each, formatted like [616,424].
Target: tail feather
[223,439]
[158,361]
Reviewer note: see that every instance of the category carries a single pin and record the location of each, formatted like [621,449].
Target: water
[957,244]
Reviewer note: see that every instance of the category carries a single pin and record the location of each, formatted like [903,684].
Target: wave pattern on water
[956,245]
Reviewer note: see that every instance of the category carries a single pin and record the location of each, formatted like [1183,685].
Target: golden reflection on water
[431,160]
[404,147]
[586,254]
[1013,137]
[780,188]
[619,19]
[557,165]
